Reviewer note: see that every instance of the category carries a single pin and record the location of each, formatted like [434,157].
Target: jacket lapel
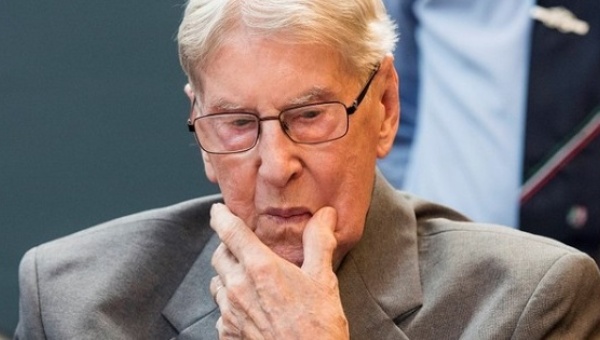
[379,279]
[192,310]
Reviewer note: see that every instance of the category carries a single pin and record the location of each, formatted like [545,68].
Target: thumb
[319,243]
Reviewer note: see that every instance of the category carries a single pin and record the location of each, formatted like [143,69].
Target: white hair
[360,30]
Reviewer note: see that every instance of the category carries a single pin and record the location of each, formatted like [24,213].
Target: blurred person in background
[500,112]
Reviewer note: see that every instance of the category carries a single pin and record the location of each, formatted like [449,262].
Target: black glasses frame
[349,111]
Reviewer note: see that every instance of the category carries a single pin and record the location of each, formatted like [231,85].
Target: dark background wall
[92,121]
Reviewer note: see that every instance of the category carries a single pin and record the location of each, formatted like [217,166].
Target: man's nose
[279,156]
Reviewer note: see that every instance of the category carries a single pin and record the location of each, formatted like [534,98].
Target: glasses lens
[227,132]
[313,124]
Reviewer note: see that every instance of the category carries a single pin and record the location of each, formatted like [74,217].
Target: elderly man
[292,103]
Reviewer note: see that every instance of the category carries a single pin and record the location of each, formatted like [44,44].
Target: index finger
[235,234]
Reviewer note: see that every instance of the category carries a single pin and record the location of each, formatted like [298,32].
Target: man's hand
[263,296]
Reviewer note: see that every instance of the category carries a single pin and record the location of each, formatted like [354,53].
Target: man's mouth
[288,215]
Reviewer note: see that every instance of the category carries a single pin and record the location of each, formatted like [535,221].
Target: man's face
[278,185]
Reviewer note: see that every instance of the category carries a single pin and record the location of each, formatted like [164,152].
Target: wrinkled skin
[291,211]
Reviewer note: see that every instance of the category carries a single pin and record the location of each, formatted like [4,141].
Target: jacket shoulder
[510,282]
[504,279]
[175,223]
[107,272]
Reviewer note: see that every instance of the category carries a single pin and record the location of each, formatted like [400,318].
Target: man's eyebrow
[222,104]
[314,95]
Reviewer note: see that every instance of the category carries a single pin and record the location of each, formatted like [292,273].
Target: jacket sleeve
[30,326]
[566,302]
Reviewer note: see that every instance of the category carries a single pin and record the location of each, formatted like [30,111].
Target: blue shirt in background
[463,68]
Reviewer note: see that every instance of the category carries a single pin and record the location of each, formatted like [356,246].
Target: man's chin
[293,255]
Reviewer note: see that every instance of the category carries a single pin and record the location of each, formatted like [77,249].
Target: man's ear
[189,91]
[390,100]
[208,168]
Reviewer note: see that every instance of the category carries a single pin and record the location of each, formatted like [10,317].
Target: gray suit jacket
[420,271]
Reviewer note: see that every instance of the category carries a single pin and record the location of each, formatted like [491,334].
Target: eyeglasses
[231,132]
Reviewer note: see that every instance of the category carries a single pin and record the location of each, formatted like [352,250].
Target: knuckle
[230,225]
[330,242]
[227,321]
[235,292]
[260,270]
[219,254]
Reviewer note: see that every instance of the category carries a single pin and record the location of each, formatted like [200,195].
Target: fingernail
[216,206]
